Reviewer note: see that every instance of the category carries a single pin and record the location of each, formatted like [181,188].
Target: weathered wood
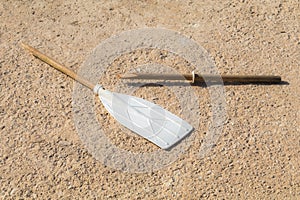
[58,66]
[206,78]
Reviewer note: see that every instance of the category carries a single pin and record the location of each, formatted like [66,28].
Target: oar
[202,78]
[142,117]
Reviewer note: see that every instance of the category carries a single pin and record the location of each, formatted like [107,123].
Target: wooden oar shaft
[58,66]
[248,79]
[203,78]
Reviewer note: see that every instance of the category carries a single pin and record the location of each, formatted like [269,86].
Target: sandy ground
[257,155]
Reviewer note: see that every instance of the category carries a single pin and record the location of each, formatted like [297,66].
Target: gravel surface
[257,155]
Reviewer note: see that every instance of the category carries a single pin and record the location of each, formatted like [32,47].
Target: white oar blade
[145,118]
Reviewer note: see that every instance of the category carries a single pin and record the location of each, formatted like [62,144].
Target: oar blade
[145,118]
